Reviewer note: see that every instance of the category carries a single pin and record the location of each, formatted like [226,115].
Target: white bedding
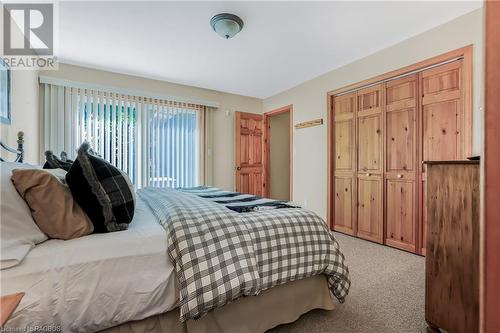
[97,281]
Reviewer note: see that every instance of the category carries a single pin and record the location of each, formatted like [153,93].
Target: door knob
[400,175]
[238,168]
[368,174]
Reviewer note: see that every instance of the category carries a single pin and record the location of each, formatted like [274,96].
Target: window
[156,142]
[110,126]
[173,146]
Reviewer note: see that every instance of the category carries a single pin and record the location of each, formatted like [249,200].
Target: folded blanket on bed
[220,255]
[239,202]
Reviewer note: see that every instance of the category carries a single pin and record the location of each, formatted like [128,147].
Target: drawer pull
[400,175]
[368,174]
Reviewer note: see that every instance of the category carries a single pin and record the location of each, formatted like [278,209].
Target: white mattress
[97,281]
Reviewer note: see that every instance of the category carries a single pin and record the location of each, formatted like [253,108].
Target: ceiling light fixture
[226,25]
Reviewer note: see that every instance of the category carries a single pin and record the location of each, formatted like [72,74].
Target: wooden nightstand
[9,304]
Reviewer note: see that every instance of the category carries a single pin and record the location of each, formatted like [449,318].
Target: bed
[138,280]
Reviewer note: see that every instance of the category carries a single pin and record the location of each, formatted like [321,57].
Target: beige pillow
[51,204]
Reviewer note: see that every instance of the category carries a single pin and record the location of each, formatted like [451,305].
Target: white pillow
[18,232]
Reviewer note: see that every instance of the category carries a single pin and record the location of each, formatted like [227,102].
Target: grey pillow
[53,162]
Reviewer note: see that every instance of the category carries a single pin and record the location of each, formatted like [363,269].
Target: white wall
[309,99]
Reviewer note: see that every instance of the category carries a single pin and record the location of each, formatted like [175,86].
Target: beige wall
[25,110]
[280,156]
[309,99]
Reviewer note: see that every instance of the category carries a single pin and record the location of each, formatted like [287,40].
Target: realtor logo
[28,29]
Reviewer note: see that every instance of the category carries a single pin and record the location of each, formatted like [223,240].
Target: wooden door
[249,170]
[443,124]
[344,216]
[401,202]
[370,163]
[443,114]
[370,213]
[344,204]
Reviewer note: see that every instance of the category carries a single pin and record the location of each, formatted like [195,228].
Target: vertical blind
[109,123]
[156,142]
[173,146]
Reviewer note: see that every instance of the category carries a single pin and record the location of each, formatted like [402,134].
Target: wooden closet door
[442,111]
[401,163]
[443,120]
[370,163]
[370,213]
[344,216]
[344,108]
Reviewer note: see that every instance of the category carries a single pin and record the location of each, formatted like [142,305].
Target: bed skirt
[279,305]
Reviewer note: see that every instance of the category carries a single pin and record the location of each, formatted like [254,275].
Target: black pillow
[52,162]
[104,192]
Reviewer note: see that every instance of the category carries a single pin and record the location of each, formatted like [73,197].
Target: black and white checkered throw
[220,255]
[238,202]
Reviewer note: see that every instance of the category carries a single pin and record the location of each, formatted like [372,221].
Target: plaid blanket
[220,255]
[239,202]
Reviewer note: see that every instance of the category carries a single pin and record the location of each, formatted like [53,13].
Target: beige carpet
[386,295]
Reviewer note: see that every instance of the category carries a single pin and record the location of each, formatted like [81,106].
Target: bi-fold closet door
[370,168]
[359,163]
[344,123]
[444,124]
[376,161]
[401,167]
[382,135]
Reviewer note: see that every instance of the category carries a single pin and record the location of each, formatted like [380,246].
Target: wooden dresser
[452,260]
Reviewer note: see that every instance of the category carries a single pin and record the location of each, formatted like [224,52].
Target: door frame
[490,267]
[267,143]
[465,52]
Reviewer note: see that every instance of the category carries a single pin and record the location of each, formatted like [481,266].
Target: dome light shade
[226,25]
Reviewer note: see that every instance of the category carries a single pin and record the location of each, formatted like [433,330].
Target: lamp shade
[226,25]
